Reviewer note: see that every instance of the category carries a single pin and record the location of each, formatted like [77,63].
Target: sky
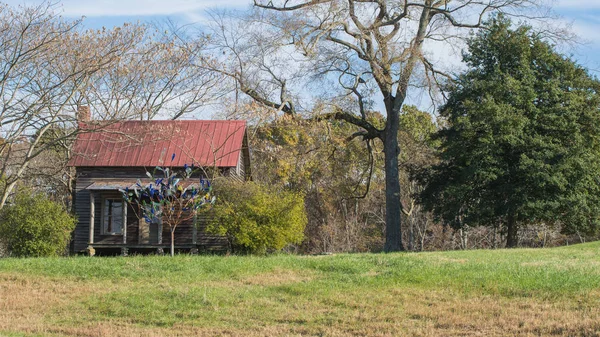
[582,15]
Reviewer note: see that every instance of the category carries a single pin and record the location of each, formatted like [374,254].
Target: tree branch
[370,132]
[284,8]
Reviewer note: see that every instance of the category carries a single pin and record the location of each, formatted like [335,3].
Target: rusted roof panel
[112,184]
[153,143]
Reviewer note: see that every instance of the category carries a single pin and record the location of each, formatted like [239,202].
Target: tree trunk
[511,237]
[393,234]
[173,242]
[411,234]
[464,239]
[422,242]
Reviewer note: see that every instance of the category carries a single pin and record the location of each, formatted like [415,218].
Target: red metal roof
[153,143]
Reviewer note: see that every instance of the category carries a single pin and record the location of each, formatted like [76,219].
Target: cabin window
[112,217]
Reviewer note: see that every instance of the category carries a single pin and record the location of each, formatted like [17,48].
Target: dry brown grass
[492,316]
[553,292]
[49,306]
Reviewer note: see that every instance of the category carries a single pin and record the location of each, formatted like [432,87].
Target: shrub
[256,218]
[34,226]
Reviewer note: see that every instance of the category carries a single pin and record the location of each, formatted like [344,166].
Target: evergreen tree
[522,140]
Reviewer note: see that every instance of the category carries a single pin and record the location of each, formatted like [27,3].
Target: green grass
[311,295]
[520,272]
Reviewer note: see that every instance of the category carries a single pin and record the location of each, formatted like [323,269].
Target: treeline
[342,179]
[511,158]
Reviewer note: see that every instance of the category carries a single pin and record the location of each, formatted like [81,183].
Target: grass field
[461,293]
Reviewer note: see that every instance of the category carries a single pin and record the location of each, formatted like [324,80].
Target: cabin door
[153,232]
[144,237]
[144,231]
[148,232]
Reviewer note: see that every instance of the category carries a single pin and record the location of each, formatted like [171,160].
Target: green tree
[418,151]
[256,218]
[32,225]
[522,145]
[365,50]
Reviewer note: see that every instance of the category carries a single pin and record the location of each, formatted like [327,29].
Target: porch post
[139,225]
[90,249]
[159,250]
[195,230]
[124,222]
[92,215]
[160,228]
[124,250]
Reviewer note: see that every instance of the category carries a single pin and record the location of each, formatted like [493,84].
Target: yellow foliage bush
[257,218]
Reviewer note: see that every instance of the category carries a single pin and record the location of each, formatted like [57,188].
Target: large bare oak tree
[374,49]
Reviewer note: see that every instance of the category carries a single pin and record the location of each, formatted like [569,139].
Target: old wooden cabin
[114,156]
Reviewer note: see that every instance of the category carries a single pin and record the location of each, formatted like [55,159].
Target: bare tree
[257,58]
[49,66]
[44,62]
[157,79]
[370,49]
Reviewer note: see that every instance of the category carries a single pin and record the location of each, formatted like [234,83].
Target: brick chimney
[83,113]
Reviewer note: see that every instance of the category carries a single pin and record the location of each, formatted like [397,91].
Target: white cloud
[588,32]
[587,53]
[577,4]
[99,8]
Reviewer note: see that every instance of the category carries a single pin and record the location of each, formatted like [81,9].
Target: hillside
[475,293]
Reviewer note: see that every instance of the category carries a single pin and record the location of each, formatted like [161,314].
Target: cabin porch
[114,226]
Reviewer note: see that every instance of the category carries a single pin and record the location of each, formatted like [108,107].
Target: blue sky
[584,15]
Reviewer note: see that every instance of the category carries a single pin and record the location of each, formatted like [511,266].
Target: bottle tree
[171,197]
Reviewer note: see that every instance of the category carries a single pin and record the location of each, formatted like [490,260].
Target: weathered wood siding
[242,171]
[82,209]
[245,160]
[207,241]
